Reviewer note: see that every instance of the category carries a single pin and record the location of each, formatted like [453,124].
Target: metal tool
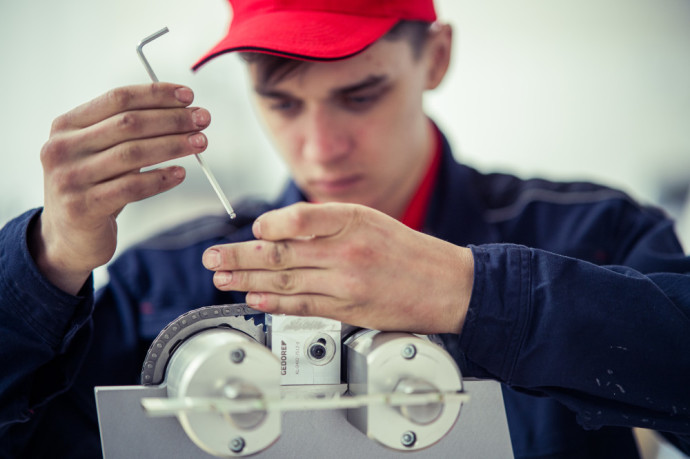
[204,167]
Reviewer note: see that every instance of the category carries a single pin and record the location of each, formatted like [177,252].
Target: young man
[574,296]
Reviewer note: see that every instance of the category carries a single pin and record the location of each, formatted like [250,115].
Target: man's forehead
[380,62]
[370,81]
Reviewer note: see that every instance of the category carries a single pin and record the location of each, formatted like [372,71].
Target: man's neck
[416,208]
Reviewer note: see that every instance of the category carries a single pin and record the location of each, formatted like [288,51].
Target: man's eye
[361,99]
[360,102]
[284,105]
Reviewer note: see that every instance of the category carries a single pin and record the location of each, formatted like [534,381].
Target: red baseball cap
[317,30]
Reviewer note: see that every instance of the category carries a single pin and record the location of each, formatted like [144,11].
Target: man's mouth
[335,185]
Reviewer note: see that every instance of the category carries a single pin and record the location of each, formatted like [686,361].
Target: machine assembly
[237,385]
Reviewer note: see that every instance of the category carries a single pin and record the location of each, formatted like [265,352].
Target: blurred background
[588,90]
[593,90]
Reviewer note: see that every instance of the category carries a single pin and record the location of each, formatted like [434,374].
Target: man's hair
[273,69]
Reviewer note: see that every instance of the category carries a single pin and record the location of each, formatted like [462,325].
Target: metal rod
[209,175]
[140,52]
[159,407]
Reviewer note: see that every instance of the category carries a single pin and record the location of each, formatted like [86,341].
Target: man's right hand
[91,167]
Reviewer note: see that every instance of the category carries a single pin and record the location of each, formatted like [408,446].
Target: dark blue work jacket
[580,306]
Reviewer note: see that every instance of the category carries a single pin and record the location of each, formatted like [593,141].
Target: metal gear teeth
[236,316]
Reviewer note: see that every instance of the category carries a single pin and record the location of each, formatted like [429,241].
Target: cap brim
[314,36]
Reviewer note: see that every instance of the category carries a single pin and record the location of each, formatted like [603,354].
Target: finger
[108,197]
[123,99]
[294,305]
[265,255]
[141,124]
[287,282]
[304,220]
[134,155]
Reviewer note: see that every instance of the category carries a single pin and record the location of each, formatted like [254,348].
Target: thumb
[306,220]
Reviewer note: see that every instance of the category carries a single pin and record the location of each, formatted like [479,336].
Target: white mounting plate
[126,431]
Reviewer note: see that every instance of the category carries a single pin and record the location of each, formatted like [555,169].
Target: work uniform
[580,306]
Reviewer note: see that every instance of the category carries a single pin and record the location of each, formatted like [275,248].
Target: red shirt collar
[416,210]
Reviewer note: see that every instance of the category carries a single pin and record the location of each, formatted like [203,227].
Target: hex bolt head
[237,444]
[409,351]
[408,439]
[237,355]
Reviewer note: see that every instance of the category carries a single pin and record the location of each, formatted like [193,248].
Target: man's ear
[438,53]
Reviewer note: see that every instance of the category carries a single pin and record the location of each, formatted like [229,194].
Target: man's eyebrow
[270,93]
[368,82]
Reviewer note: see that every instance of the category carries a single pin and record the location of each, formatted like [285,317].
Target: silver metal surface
[419,413]
[379,362]
[225,393]
[127,432]
[209,175]
[206,365]
[420,408]
[235,316]
[309,348]
[140,52]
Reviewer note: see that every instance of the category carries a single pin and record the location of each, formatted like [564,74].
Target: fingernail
[201,117]
[184,95]
[211,259]
[197,140]
[178,172]
[256,228]
[254,300]
[223,278]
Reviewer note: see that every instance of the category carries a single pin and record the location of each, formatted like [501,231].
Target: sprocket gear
[236,316]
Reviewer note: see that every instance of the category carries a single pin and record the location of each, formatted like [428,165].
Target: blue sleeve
[57,347]
[44,334]
[612,343]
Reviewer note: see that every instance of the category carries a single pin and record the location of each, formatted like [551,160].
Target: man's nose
[326,138]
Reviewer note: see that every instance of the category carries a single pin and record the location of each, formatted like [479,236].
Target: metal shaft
[209,175]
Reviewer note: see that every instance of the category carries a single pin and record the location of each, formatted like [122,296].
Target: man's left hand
[350,263]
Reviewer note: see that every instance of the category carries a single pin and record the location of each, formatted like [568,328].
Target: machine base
[126,430]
